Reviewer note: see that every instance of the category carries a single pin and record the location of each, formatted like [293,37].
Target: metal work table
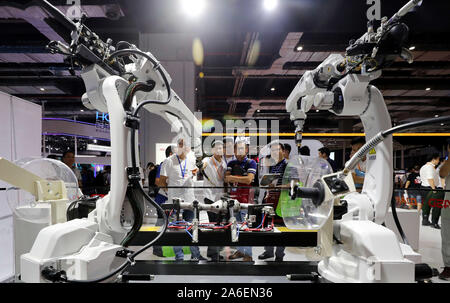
[281,236]
[234,268]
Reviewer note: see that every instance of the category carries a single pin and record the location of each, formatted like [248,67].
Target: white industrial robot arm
[143,83]
[308,88]
[120,81]
[361,56]
[169,106]
[342,86]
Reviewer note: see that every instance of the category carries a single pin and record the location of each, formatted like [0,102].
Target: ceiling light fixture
[270,5]
[95,147]
[299,48]
[42,89]
[412,48]
[193,8]
[428,88]
[272,89]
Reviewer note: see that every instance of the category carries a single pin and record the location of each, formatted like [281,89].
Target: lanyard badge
[219,169]
[183,171]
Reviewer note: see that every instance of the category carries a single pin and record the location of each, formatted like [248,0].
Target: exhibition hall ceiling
[252,58]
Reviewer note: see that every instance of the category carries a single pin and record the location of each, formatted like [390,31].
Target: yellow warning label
[285,230]
[150,228]
[372,152]
[282,229]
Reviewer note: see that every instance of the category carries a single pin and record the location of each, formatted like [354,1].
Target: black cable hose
[69,210]
[397,221]
[123,43]
[378,138]
[415,124]
[133,149]
[139,86]
[138,215]
[72,205]
[156,65]
[165,225]
[137,212]
[143,103]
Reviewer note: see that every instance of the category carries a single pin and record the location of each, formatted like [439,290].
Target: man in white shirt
[191,156]
[161,193]
[179,170]
[445,219]
[214,169]
[430,180]
[441,180]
